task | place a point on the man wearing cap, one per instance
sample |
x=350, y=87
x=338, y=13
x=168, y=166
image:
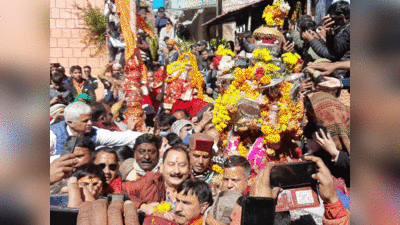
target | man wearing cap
x=183, y=128
x=56, y=113
x=201, y=152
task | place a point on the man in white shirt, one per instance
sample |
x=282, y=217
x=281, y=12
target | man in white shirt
x=78, y=122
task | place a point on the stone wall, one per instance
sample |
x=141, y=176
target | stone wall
x=66, y=33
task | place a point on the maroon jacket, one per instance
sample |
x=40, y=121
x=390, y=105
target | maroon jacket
x=147, y=189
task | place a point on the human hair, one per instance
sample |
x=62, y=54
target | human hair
x=84, y=142
x=338, y=8
x=179, y=149
x=166, y=119
x=123, y=152
x=308, y=25
x=200, y=188
x=74, y=110
x=107, y=149
x=187, y=114
x=148, y=138
x=173, y=139
x=303, y=18
x=309, y=129
x=90, y=69
x=121, y=111
x=90, y=170
x=232, y=48
x=98, y=110
x=204, y=50
x=73, y=68
x=57, y=78
x=236, y=161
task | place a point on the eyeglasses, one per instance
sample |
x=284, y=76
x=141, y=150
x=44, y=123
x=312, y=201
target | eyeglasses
x=112, y=167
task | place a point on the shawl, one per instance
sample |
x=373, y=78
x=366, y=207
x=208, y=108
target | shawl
x=115, y=187
x=334, y=115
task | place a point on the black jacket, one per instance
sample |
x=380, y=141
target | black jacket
x=86, y=88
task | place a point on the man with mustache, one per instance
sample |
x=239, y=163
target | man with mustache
x=146, y=158
x=201, y=152
x=149, y=190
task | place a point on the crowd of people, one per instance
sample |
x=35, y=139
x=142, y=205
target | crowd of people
x=177, y=169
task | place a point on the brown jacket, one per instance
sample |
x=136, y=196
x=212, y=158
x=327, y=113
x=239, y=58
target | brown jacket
x=147, y=189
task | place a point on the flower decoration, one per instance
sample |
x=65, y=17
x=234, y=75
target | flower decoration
x=217, y=169
x=275, y=14
x=162, y=207
x=293, y=62
x=226, y=63
x=224, y=51
x=262, y=54
x=216, y=60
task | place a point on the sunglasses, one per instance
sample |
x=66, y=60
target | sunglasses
x=112, y=167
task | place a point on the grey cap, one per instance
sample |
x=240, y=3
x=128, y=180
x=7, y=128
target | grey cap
x=202, y=42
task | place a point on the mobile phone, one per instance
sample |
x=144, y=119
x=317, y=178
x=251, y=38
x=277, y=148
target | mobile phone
x=293, y=175
x=69, y=145
x=115, y=197
x=63, y=215
x=321, y=127
x=258, y=211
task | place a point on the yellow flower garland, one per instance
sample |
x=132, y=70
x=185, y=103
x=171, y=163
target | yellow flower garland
x=217, y=169
x=223, y=51
x=162, y=207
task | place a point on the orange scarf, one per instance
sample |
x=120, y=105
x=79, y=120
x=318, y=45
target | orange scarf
x=78, y=86
x=198, y=221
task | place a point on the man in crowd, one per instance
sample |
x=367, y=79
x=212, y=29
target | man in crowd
x=169, y=53
x=161, y=20
x=200, y=46
x=249, y=42
x=107, y=159
x=117, y=71
x=61, y=167
x=165, y=124
x=202, y=61
x=146, y=158
x=78, y=122
x=153, y=188
x=78, y=85
x=58, y=90
x=102, y=116
x=200, y=154
x=193, y=199
x=183, y=128
x=87, y=70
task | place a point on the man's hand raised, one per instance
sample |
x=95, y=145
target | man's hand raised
x=60, y=168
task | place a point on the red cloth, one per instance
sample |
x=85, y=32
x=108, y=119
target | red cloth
x=336, y=214
x=150, y=219
x=147, y=100
x=149, y=188
x=113, y=127
x=115, y=187
x=192, y=107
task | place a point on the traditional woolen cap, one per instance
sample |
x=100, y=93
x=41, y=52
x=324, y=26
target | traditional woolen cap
x=56, y=108
x=178, y=125
x=201, y=142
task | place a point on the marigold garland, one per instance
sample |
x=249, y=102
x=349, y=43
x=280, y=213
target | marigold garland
x=162, y=207
x=275, y=14
x=217, y=169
